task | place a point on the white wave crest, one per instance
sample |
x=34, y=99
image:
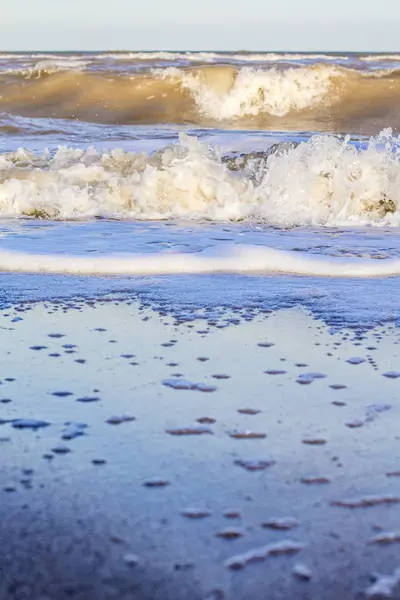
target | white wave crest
x=250, y=92
x=143, y=56
x=325, y=181
x=380, y=57
x=46, y=67
x=219, y=56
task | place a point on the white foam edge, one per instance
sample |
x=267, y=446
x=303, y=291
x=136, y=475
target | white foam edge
x=245, y=259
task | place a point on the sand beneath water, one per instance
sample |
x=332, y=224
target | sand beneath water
x=225, y=459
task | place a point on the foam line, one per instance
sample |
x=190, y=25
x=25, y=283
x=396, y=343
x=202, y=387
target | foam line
x=244, y=259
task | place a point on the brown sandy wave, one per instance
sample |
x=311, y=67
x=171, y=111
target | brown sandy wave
x=319, y=97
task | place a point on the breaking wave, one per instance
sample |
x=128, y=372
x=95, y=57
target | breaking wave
x=325, y=181
x=228, y=93
x=315, y=97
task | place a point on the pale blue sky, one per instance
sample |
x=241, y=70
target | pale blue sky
x=202, y=24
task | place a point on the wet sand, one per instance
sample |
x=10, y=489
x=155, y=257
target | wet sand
x=230, y=459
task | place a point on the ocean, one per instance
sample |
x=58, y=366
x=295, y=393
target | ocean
x=201, y=163
x=199, y=310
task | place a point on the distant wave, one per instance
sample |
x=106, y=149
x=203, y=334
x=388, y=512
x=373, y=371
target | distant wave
x=45, y=68
x=380, y=57
x=220, y=56
x=163, y=55
x=325, y=181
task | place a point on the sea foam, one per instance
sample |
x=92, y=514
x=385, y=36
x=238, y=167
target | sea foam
x=324, y=181
x=251, y=91
x=244, y=259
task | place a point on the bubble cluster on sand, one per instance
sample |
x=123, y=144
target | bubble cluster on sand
x=388, y=537
x=230, y=533
x=247, y=434
x=312, y=479
x=29, y=424
x=393, y=474
x=281, y=523
x=156, y=482
x=384, y=587
x=118, y=419
x=61, y=450
x=233, y=514
x=367, y=501
x=184, y=384
x=190, y=430
x=196, y=513
x=131, y=559
x=355, y=423
x=261, y=554
x=73, y=430
x=307, y=378
x=275, y=372
x=391, y=374
x=314, y=441
x=302, y=572
x=356, y=360
x=206, y=420
x=254, y=465
x=87, y=399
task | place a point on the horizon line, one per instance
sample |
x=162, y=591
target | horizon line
x=231, y=50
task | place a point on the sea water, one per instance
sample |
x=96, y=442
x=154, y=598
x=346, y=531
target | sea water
x=203, y=180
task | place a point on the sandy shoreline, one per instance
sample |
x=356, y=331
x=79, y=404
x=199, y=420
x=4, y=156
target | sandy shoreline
x=131, y=526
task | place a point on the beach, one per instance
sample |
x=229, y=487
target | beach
x=199, y=319
x=158, y=452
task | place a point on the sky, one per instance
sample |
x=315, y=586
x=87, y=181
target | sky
x=200, y=25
